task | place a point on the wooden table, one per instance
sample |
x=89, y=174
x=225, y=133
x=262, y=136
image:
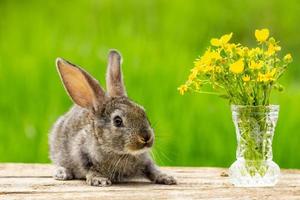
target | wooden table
x=34, y=181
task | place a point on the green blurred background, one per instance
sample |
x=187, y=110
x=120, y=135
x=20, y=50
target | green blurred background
x=159, y=41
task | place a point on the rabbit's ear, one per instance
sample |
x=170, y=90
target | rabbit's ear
x=84, y=90
x=114, y=78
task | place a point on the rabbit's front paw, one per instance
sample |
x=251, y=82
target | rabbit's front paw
x=62, y=173
x=165, y=179
x=98, y=181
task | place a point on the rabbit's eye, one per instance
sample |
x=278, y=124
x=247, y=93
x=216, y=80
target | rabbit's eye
x=118, y=122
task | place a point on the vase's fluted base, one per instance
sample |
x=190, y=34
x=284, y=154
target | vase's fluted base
x=254, y=174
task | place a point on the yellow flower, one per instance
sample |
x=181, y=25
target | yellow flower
x=182, y=89
x=240, y=51
x=195, y=70
x=218, y=69
x=194, y=74
x=197, y=85
x=255, y=51
x=246, y=78
x=272, y=49
x=230, y=47
x=222, y=41
x=260, y=77
x=205, y=59
x=202, y=67
x=237, y=67
x=262, y=35
x=215, y=55
x=254, y=65
x=288, y=58
x=204, y=64
x=269, y=76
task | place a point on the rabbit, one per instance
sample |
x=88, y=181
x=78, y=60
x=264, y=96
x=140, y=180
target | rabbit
x=105, y=137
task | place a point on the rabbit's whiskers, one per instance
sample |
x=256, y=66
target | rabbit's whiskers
x=114, y=164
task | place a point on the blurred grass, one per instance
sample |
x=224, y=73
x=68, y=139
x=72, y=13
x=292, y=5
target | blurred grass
x=159, y=41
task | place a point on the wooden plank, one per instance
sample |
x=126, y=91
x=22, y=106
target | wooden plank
x=34, y=181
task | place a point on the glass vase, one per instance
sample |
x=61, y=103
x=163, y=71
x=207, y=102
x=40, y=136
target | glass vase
x=255, y=126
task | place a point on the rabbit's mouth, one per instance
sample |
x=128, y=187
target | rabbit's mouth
x=138, y=152
x=139, y=146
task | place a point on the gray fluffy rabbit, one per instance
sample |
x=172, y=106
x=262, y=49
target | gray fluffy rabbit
x=105, y=137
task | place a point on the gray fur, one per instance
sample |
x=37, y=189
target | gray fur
x=86, y=144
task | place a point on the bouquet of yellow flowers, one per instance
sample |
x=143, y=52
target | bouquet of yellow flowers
x=243, y=75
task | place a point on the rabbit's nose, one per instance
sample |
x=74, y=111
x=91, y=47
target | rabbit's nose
x=148, y=140
x=147, y=137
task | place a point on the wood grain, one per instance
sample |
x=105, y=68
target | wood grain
x=34, y=181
